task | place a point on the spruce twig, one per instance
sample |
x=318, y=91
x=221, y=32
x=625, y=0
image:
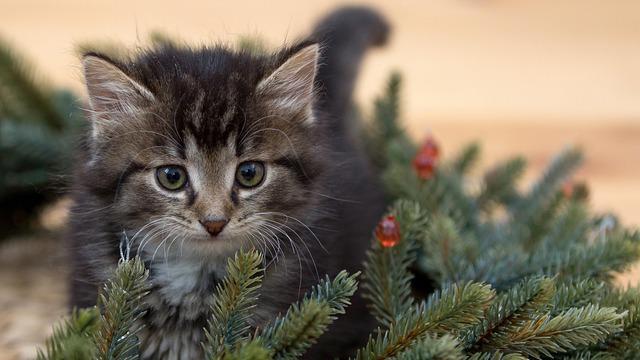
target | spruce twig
x=499, y=183
x=545, y=335
x=451, y=310
x=289, y=336
x=29, y=99
x=235, y=297
x=121, y=303
x=521, y=303
x=73, y=340
x=387, y=282
x=466, y=159
x=434, y=348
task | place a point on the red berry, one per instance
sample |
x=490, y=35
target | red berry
x=426, y=159
x=431, y=148
x=388, y=231
x=424, y=164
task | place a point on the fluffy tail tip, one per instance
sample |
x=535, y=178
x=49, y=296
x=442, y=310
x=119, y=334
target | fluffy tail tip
x=361, y=22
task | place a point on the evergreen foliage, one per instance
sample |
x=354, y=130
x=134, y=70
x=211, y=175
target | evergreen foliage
x=388, y=281
x=289, y=336
x=73, y=338
x=37, y=125
x=233, y=301
x=466, y=159
x=115, y=336
x=515, y=274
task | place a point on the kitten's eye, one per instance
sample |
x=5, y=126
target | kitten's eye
x=250, y=173
x=171, y=177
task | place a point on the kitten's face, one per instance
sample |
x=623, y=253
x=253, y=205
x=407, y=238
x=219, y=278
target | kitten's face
x=203, y=162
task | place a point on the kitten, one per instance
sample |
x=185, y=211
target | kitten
x=194, y=153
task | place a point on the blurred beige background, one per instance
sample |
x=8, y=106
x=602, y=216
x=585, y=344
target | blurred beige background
x=526, y=76
x=522, y=76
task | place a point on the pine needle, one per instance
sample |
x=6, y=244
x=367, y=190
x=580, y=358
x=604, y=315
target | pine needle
x=450, y=311
x=290, y=336
x=387, y=283
x=235, y=297
x=72, y=340
x=545, y=335
x=121, y=303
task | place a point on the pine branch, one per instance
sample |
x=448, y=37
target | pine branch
x=496, y=356
x=251, y=350
x=336, y=293
x=289, y=336
x=452, y=310
x=458, y=306
x=387, y=108
x=444, y=193
x=593, y=355
x=625, y=344
x=73, y=339
x=456, y=203
x=609, y=254
x=401, y=182
x=545, y=188
x=121, y=302
x=302, y=325
x=29, y=99
x=499, y=184
x=577, y=293
x=466, y=159
x=387, y=142
x=531, y=232
x=235, y=297
x=497, y=263
x=446, y=256
x=570, y=226
x=573, y=329
x=387, y=283
x=434, y=348
x=520, y=303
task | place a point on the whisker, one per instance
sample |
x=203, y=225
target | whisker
x=296, y=251
x=315, y=268
x=299, y=222
x=169, y=233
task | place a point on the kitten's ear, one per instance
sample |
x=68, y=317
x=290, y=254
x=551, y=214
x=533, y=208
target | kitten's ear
x=290, y=87
x=113, y=95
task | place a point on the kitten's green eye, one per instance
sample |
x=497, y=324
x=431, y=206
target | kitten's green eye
x=250, y=173
x=171, y=177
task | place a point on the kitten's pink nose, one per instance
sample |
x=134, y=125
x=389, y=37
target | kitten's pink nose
x=214, y=225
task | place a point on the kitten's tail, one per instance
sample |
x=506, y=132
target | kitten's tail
x=344, y=36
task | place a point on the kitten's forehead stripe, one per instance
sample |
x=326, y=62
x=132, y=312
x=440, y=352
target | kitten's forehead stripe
x=196, y=114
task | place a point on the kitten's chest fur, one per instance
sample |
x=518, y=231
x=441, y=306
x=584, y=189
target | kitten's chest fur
x=179, y=306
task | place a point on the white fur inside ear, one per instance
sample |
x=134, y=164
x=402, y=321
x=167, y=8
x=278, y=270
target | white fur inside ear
x=290, y=88
x=112, y=93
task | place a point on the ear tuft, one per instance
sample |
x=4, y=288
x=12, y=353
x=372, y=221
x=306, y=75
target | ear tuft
x=112, y=93
x=290, y=87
